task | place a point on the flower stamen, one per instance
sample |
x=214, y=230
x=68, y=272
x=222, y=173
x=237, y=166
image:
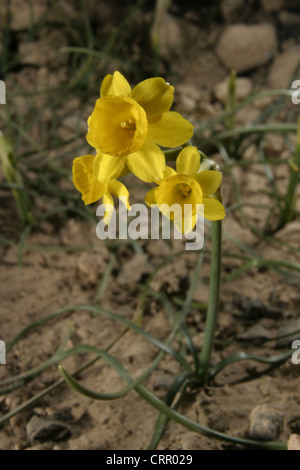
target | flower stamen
x=128, y=125
x=185, y=189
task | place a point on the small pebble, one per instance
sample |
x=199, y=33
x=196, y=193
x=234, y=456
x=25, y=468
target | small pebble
x=266, y=423
x=41, y=429
x=294, y=442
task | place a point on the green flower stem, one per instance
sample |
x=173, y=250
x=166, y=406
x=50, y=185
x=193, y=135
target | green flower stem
x=213, y=302
x=231, y=100
x=160, y=10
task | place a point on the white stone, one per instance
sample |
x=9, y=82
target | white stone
x=283, y=67
x=230, y=8
x=38, y=54
x=294, y=442
x=169, y=35
x=289, y=18
x=24, y=14
x=266, y=423
x=242, y=47
x=188, y=97
x=243, y=89
x=272, y=5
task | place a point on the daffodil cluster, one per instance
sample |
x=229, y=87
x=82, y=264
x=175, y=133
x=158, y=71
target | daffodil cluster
x=127, y=129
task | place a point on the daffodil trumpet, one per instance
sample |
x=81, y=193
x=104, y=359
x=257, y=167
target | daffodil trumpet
x=188, y=186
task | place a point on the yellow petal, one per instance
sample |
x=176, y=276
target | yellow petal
x=148, y=163
x=150, y=199
x=213, y=209
x=209, y=181
x=154, y=95
x=108, y=203
x=106, y=167
x=188, y=161
x=115, y=84
x=119, y=190
x=168, y=172
x=92, y=190
x=117, y=126
x=169, y=129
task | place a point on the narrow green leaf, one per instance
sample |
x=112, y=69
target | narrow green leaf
x=242, y=356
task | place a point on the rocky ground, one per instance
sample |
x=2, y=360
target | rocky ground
x=63, y=262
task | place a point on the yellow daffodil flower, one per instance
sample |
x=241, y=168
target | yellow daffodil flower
x=127, y=126
x=92, y=190
x=187, y=186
